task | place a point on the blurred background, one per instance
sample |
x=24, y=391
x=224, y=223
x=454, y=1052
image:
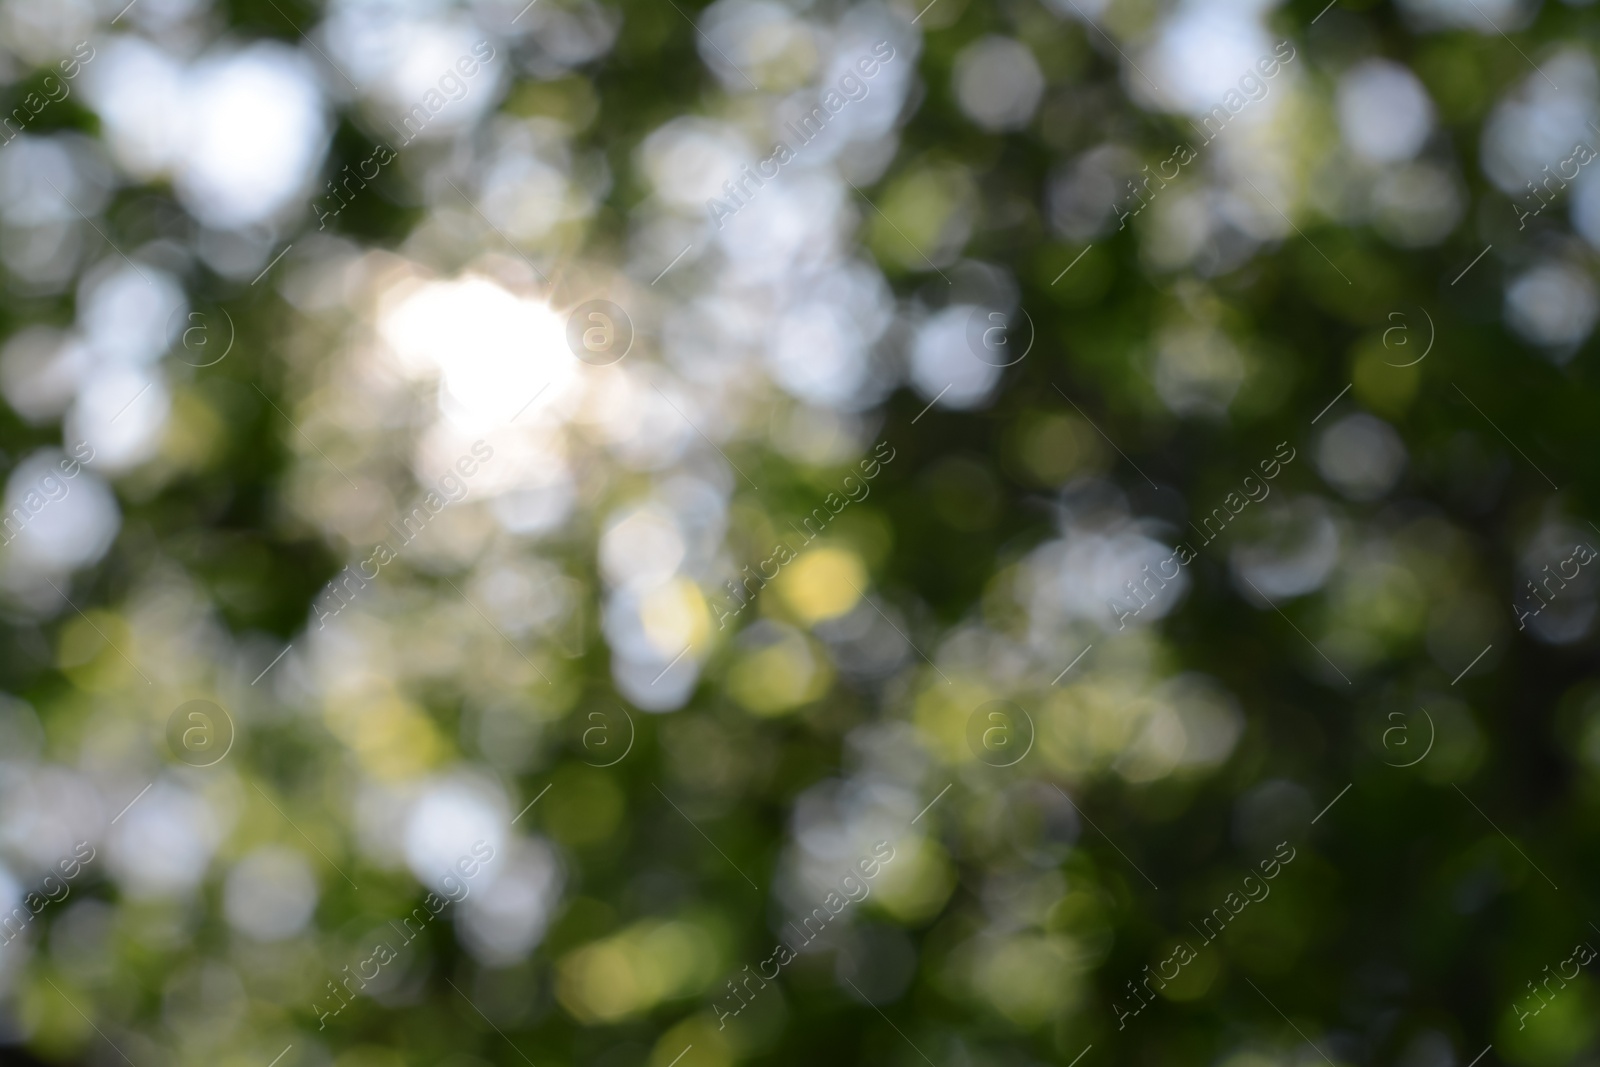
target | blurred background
x=620, y=532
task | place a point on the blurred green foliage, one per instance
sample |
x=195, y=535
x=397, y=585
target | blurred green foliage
x=1408, y=913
